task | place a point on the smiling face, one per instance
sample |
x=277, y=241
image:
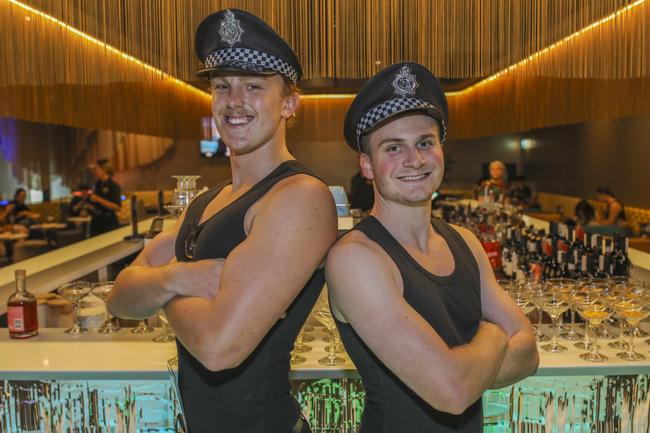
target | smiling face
x=250, y=110
x=406, y=160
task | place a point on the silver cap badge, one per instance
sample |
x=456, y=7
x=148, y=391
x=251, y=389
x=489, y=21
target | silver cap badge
x=404, y=82
x=230, y=30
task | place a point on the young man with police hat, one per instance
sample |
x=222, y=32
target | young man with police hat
x=415, y=299
x=239, y=272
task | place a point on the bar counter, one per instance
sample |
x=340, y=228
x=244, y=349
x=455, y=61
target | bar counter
x=55, y=356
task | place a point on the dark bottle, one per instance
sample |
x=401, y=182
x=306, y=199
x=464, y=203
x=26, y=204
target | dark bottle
x=22, y=318
x=621, y=262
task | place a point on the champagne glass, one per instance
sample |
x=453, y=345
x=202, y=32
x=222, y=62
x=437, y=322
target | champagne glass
x=167, y=332
x=596, y=314
x=101, y=290
x=536, y=294
x=602, y=288
x=633, y=314
x=566, y=289
x=299, y=346
x=555, y=307
x=324, y=315
x=142, y=328
x=620, y=304
x=297, y=358
x=584, y=302
x=75, y=292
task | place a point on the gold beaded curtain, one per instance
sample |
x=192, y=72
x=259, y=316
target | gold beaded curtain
x=346, y=38
x=50, y=74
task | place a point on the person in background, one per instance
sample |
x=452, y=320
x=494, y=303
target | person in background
x=614, y=210
x=362, y=195
x=80, y=205
x=17, y=212
x=415, y=299
x=520, y=193
x=497, y=185
x=106, y=198
x=583, y=212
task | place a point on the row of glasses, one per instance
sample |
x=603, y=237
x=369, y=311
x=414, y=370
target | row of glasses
x=323, y=314
x=596, y=301
x=76, y=291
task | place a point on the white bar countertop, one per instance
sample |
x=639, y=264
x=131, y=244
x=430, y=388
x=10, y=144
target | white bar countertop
x=125, y=356
x=47, y=271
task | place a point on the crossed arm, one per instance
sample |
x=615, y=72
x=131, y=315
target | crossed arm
x=363, y=287
x=288, y=239
x=521, y=358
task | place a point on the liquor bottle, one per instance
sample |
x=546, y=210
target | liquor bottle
x=620, y=259
x=21, y=310
x=507, y=254
x=600, y=271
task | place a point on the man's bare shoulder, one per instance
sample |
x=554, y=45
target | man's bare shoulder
x=299, y=191
x=356, y=251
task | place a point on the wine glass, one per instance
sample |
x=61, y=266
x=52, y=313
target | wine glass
x=167, y=332
x=596, y=314
x=75, y=292
x=583, y=302
x=142, y=328
x=324, y=315
x=555, y=307
x=537, y=295
x=602, y=288
x=101, y=290
x=296, y=358
x=633, y=314
x=299, y=346
x=566, y=288
x=621, y=303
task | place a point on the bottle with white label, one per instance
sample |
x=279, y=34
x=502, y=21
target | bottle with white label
x=22, y=318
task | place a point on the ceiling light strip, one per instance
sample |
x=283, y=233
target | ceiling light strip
x=548, y=49
x=110, y=48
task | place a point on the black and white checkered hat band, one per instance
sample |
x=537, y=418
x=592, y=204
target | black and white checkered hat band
x=389, y=108
x=253, y=60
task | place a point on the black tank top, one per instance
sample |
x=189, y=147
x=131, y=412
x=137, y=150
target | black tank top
x=451, y=304
x=255, y=396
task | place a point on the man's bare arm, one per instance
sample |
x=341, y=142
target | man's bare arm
x=363, y=288
x=290, y=236
x=154, y=278
x=521, y=359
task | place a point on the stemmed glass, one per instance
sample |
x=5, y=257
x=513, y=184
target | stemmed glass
x=142, y=328
x=101, y=290
x=324, y=315
x=619, y=305
x=596, y=313
x=299, y=346
x=75, y=292
x=566, y=289
x=555, y=307
x=633, y=314
x=602, y=288
x=167, y=332
x=537, y=295
x=584, y=302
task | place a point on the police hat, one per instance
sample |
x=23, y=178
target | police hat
x=238, y=41
x=398, y=89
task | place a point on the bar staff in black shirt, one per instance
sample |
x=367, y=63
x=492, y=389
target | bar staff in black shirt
x=416, y=302
x=106, y=198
